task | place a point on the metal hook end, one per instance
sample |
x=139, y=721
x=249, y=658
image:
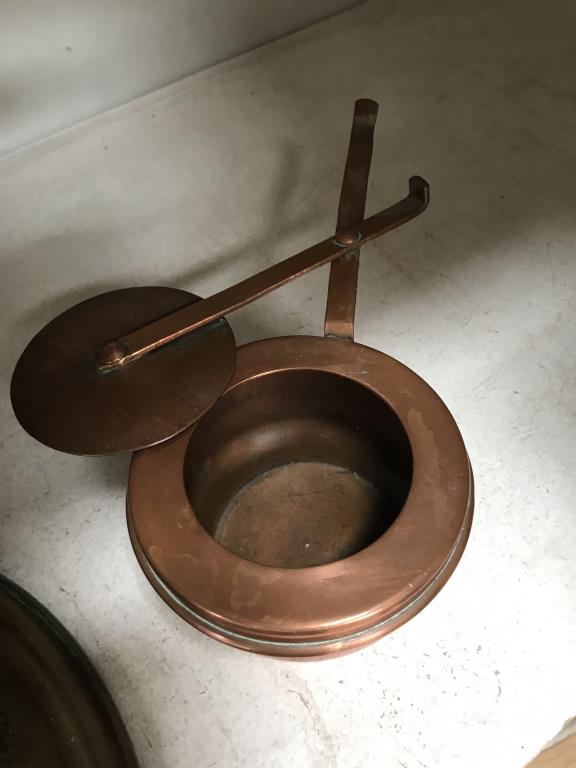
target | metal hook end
x=419, y=188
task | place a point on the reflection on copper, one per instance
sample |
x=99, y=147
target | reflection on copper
x=298, y=497
x=323, y=500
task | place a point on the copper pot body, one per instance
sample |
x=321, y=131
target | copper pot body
x=326, y=496
x=323, y=501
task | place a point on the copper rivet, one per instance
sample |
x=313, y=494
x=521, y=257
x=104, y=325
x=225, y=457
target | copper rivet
x=347, y=237
x=112, y=353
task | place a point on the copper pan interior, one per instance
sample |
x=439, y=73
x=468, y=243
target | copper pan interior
x=298, y=468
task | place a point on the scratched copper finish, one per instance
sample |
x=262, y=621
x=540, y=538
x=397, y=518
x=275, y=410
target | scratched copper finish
x=323, y=500
x=61, y=398
x=309, y=401
x=54, y=709
x=315, y=497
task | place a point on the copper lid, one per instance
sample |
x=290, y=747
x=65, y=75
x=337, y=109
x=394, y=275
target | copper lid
x=62, y=399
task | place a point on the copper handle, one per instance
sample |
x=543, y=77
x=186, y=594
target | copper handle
x=343, y=282
x=162, y=331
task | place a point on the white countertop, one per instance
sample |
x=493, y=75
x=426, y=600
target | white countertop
x=219, y=175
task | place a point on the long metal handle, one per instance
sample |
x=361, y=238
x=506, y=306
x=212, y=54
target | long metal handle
x=343, y=282
x=166, y=329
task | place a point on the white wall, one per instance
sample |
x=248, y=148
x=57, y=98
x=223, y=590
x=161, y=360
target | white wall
x=62, y=61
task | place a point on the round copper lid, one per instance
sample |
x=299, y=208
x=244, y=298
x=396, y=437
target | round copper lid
x=54, y=709
x=225, y=540
x=62, y=399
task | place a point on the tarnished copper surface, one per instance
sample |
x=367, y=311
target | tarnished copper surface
x=324, y=499
x=341, y=300
x=328, y=512
x=54, y=709
x=382, y=423
x=61, y=399
x=173, y=326
x=324, y=495
x=88, y=382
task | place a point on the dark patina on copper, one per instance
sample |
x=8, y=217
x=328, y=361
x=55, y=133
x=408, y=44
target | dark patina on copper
x=323, y=500
x=78, y=392
x=61, y=397
x=317, y=493
x=182, y=322
x=54, y=710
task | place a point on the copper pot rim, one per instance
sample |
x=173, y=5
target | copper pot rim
x=315, y=649
x=320, y=602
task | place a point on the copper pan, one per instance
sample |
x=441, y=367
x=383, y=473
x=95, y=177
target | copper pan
x=54, y=709
x=323, y=500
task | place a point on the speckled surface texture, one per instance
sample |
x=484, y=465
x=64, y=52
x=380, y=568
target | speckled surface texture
x=207, y=181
